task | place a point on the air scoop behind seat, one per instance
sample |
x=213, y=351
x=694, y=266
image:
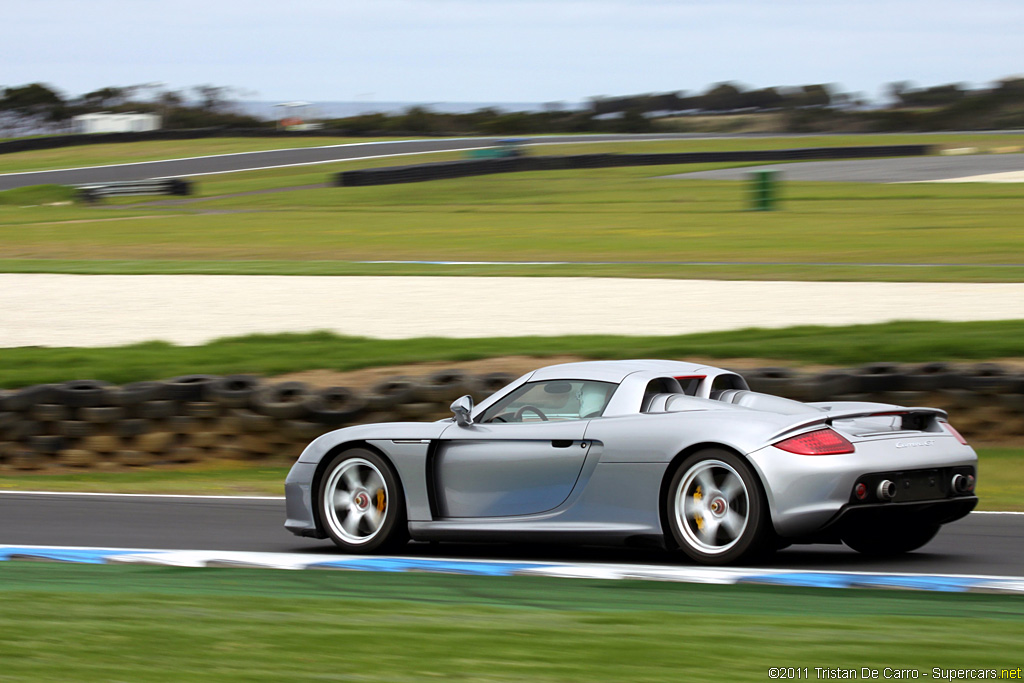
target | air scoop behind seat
x=765, y=402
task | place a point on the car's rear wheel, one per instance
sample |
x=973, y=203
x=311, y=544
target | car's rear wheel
x=716, y=510
x=360, y=502
x=891, y=540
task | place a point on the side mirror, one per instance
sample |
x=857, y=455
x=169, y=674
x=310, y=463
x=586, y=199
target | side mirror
x=463, y=409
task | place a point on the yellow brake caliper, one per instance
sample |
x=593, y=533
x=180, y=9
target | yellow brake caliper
x=697, y=495
x=380, y=500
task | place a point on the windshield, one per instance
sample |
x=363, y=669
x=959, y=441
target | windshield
x=552, y=400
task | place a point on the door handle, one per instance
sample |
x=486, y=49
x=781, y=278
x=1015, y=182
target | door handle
x=561, y=443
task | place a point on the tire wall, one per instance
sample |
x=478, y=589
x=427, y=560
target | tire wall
x=474, y=167
x=86, y=424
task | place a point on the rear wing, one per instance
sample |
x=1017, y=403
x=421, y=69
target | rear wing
x=913, y=419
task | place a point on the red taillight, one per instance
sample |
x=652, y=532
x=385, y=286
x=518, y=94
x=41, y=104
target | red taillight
x=959, y=437
x=819, y=442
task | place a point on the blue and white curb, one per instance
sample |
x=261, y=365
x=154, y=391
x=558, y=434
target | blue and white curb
x=950, y=583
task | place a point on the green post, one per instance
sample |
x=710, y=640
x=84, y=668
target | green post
x=763, y=190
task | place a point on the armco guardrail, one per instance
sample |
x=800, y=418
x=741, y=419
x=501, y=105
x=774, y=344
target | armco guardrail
x=173, y=186
x=473, y=167
x=84, y=424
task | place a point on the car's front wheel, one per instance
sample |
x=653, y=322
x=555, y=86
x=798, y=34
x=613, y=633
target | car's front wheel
x=360, y=502
x=716, y=510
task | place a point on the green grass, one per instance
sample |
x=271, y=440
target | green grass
x=38, y=195
x=1000, y=481
x=802, y=272
x=145, y=623
x=273, y=354
x=639, y=223
x=214, y=478
x=1001, y=478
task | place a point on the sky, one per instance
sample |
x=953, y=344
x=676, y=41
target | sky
x=506, y=50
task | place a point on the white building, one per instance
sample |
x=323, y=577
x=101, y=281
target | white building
x=115, y=123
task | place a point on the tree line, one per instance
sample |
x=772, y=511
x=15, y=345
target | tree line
x=37, y=108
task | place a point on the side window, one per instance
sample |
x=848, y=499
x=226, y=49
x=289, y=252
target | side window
x=552, y=401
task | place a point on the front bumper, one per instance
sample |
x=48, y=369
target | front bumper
x=299, y=501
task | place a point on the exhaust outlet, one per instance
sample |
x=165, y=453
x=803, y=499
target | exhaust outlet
x=886, y=490
x=963, y=484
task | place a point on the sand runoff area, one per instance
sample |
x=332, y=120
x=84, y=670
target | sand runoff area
x=109, y=310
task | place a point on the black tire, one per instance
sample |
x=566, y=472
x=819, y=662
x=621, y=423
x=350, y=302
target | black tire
x=101, y=414
x=284, y=401
x=83, y=393
x=336, y=406
x=188, y=387
x=156, y=410
x=889, y=540
x=370, y=485
x=23, y=399
x=736, y=505
x=139, y=392
x=390, y=393
x=234, y=391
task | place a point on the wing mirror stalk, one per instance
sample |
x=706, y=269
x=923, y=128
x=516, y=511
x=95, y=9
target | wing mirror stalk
x=463, y=409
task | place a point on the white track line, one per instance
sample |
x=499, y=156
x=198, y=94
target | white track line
x=260, y=151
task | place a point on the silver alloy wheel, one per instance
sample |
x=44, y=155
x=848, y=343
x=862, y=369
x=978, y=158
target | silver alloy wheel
x=356, y=499
x=712, y=506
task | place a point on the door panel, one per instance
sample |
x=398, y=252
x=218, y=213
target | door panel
x=503, y=470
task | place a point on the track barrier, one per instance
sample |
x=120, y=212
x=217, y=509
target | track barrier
x=85, y=424
x=475, y=167
x=173, y=186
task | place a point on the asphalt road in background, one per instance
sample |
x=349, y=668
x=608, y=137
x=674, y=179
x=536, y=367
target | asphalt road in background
x=897, y=170
x=981, y=544
x=247, y=161
x=866, y=170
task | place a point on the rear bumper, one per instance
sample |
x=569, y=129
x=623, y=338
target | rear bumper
x=916, y=514
x=808, y=493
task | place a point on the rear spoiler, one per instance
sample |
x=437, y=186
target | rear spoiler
x=914, y=419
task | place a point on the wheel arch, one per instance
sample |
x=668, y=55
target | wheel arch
x=678, y=460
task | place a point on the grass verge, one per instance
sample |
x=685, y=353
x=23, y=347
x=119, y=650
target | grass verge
x=35, y=195
x=274, y=354
x=823, y=272
x=1000, y=480
x=145, y=623
x=624, y=221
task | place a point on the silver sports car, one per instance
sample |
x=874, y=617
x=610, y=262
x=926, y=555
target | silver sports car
x=639, y=452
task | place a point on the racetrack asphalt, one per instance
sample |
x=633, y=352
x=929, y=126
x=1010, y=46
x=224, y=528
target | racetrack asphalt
x=247, y=161
x=896, y=170
x=872, y=170
x=981, y=544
